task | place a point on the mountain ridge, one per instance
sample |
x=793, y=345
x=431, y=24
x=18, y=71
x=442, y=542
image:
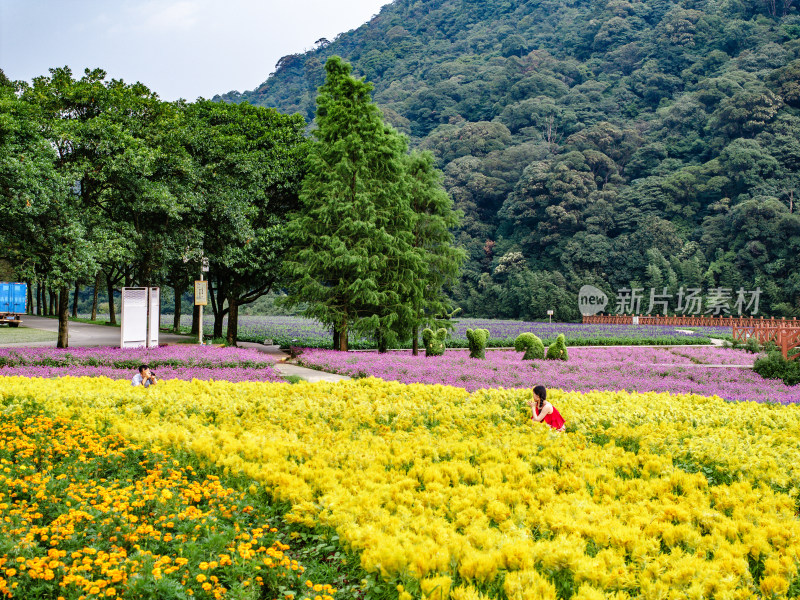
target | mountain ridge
x=649, y=144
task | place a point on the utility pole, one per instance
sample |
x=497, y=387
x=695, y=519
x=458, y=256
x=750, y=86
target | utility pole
x=200, y=320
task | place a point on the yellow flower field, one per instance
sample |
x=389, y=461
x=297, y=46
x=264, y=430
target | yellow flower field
x=72, y=524
x=452, y=494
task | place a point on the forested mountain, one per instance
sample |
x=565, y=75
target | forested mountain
x=639, y=144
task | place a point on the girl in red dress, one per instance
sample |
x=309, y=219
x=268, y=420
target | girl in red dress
x=543, y=411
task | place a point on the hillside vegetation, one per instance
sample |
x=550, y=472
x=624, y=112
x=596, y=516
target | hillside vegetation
x=650, y=144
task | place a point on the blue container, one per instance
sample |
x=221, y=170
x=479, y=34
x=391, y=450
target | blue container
x=13, y=298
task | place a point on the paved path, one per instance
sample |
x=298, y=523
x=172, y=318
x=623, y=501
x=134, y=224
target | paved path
x=311, y=375
x=291, y=370
x=86, y=334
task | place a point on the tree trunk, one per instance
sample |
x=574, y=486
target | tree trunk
x=217, y=303
x=29, y=299
x=415, y=342
x=176, y=320
x=218, y=324
x=52, y=308
x=112, y=313
x=195, y=320
x=63, y=318
x=335, y=337
x=233, y=321
x=380, y=338
x=39, y=299
x=343, y=335
x=94, y=296
x=75, y=300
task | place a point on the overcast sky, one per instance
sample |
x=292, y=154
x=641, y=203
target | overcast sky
x=178, y=48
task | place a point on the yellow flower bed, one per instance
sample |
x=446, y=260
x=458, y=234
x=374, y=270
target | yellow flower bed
x=456, y=495
x=73, y=527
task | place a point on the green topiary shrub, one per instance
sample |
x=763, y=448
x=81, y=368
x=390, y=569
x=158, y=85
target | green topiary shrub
x=477, y=339
x=752, y=345
x=774, y=366
x=531, y=345
x=558, y=349
x=434, y=341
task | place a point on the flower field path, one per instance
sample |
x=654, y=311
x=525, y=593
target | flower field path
x=292, y=370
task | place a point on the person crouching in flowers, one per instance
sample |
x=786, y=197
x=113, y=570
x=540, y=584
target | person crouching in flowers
x=543, y=411
x=144, y=377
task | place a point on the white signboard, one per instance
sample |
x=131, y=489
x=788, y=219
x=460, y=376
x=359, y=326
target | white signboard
x=141, y=315
x=201, y=293
x=155, y=316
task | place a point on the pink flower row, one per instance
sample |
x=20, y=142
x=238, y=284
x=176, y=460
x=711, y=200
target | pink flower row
x=182, y=354
x=234, y=374
x=706, y=371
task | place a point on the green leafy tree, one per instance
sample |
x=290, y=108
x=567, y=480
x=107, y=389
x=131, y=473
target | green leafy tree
x=248, y=164
x=353, y=258
x=434, y=218
x=59, y=222
x=30, y=184
x=115, y=142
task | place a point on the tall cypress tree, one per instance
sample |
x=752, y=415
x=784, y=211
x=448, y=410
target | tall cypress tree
x=353, y=259
x=434, y=220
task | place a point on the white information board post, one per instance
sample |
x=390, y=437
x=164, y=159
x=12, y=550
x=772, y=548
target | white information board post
x=141, y=317
x=200, y=300
x=201, y=297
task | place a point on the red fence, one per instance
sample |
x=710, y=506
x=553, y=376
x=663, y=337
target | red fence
x=785, y=333
x=698, y=321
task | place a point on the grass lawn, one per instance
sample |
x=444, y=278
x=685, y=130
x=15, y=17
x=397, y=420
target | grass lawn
x=25, y=335
x=99, y=321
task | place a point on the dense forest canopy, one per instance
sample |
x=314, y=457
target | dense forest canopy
x=621, y=144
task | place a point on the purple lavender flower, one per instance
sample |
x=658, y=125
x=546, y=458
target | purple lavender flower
x=311, y=333
x=178, y=355
x=169, y=362
x=642, y=369
x=234, y=374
